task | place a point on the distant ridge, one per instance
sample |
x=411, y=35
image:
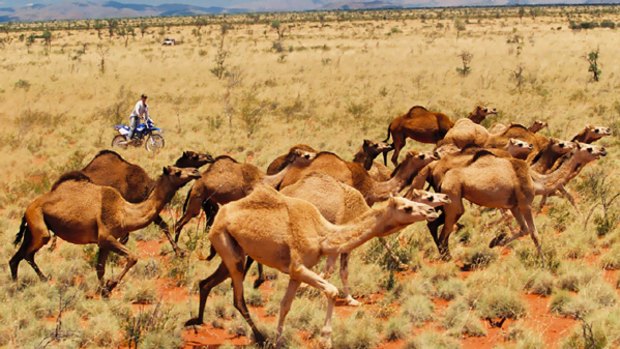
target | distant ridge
x=92, y=9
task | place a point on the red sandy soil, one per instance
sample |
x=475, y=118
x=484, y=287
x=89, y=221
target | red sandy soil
x=551, y=327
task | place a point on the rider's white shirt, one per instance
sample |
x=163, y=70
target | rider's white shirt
x=140, y=110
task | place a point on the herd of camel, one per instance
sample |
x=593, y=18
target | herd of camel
x=310, y=203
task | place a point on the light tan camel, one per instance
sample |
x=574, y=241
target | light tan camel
x=227, y=180
x=132, y=182
x=425, y=126
x=353, y=174
x=279, y=163
x=291, y=235
x=536, y=126
x=544, y=161
x=465, y=132
x=340, y=203
x=81, y=212
x=591, y=133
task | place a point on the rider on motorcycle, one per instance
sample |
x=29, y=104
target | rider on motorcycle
x=140, y=111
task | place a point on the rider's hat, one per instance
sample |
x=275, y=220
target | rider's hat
x=144, y=96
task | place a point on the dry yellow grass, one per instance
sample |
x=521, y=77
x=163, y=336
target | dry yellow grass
x=332, y=86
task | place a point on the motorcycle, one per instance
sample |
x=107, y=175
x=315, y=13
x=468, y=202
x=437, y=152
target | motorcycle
x=145, y=133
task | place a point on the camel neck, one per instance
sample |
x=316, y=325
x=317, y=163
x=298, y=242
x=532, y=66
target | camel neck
x=275, y=179
x=138, y=216
x=345, y=238
x=400, y=177
x=548, y=183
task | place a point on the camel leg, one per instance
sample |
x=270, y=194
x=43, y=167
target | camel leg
x=453, y=212
x=191, y=209
x=102, y=257
x=568, y=197
x=344, y=277
x=527, y=214
x=110, y=243
x=260, y=279
x=433, y=227
x=543, y=202
x=303, y=274
x=164, y=227
x=399, y=143
x=206, y=285
x=523, y=229
x=36, y=236
x=30, y=259
x=210, y=208
x=285, y=306
x=329, y=266
x=53, y=242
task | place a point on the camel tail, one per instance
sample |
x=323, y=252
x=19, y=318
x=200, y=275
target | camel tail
x=23, y=229
x=186, y=202
x=388, y=134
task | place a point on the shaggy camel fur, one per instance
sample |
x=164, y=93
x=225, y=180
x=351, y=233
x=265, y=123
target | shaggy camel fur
x=339, y=204
x=81, y=212
x=425, y=126
x=227, y=180
x=353, y=174
x=279, y=163
x=132, y=181
x=291, y=235
x=591, y=133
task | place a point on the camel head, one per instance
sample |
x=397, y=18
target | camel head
x=300, y=157
x=429, y=198
x=537, y=125
x=588, y=152
x=401, y=212
x=597, y=132
x=180, y=176
x=517, y=147
x=373, y=149
x=562, y=147
x=193, y=159
x=480, y=113
x=412, y=164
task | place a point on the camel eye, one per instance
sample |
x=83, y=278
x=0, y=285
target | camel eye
x=430, y=198
x=422, y=156
x=589, y=150
x=408, y=209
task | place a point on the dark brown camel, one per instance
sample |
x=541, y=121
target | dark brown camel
x=279, y=163
x=425, y=126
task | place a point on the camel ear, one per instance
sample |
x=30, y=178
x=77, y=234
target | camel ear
x=589, y=126
x=513, y=141
x=166, y=170
x=185, y=154
x=415, y=192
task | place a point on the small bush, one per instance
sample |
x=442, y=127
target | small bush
x=418, y=309
x=358, y=331
x=478, y=258
x=461, y=319
x=501, y=303
x=540, y=283
x=611, y=259
x=449, y=289
x=22, y=84
x=397, y=328
x=141, y=293
x=432, y=339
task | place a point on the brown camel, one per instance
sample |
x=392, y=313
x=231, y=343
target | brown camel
x=591, y=133
x=81, y=212
x=291, y=235
x=340, y=203
x=132, y=181
x=544, y=161
x=353, y=174
x=227, y=180
x=425, y=126
x=279, y=163
x=518, y=131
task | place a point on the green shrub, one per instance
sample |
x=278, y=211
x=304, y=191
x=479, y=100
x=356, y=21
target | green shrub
x=397, y=328
x=478, y=257
x=501, y=303
x=418, y=309
x=540, y=283
x=460, y=319
x=449, y=289
x=358, y=331
x=432, y=339
x=611, y=259
x=143, y=292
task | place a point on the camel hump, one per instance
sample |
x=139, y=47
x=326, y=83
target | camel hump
x=71, y=176
x=481, y=153
x=414, y=108
x=225, y=157
x=108, y=152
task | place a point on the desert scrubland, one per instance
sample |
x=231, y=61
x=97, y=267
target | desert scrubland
x=251, y=87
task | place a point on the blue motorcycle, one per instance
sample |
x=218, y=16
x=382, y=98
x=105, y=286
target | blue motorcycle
x=145, y=133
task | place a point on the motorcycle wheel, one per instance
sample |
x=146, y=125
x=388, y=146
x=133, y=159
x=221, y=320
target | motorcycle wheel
x=154, y=143
x=119, y=142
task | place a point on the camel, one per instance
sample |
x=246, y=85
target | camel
x=132, y=182
x=279, y=163
x=353, y=174
x=227, y=180
x=487, y=180
x=291, y=235
x=536, y=126
x=466, y=132
x=591, y=133
x=544, y=161
x=425, y=126
x=521, y=132
x=340, y=203
x=366, y=155
x=81, y=212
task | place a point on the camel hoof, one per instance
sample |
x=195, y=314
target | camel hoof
x=498, y=240
x=326, y=340
x=352, y=302
x=260, y=339
x=193, y=322
x=179, y=253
